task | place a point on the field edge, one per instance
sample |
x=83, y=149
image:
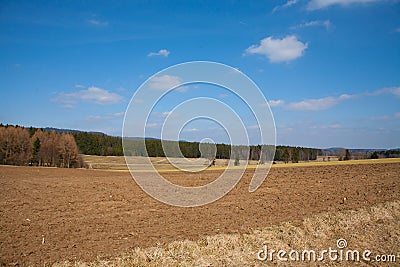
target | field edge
x=376, y=228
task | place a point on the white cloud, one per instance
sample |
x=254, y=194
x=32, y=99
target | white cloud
x=329, y=126
x=152, y=125
x=161, y=114
x=317, y=104
x=166, y=113
x=166, y=82
x=335, y=126
x=68, y=105
x=98, y=22
x=276, y=103
x=313, y=104
x=286, y=5
x=330, y=101
x=279, y=50
x=253, y=127
x=395, y=116
x=394, y=90
x=191, y=130
x=380, y=118
x=106, y=117
x=325, y=23
x=94, y=94
x=138, y=101
x=97, y=95
x=320, y=4
x=162, y=52
x=388, y=90
x=234, y=71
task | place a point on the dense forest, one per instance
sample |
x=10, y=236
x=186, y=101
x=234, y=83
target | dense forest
x=223, y=151
x=105, y=145
x=98, y=144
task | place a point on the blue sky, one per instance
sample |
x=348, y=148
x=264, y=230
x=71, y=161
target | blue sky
x=330, y=69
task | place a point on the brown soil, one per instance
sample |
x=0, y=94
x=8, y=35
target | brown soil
x=50, y=215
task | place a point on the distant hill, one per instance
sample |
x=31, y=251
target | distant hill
x=357, y=149
x=141, y=138
x=57, y=130
x=362, y=153
x=334, y=148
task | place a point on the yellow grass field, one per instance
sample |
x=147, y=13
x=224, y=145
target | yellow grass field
x=117, y=163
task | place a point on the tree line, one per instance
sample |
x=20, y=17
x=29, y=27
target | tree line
x=58, y=147
x=154, y=148
x=23, y=146
x=98, y=144
x=296, y=154
x=391, y=153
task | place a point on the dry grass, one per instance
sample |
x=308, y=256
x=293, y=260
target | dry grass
x=105, y=162
x=348, y=162
x=376, y=228
x=117, y=163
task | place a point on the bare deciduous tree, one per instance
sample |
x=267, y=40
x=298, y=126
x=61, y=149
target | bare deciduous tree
x=15, y=145
x=42, y=149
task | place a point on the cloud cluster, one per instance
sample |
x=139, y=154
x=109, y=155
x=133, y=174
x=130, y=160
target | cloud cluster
x=320, y=4
x=386, y=117
x=279, y=50
x=106, y=117
x=92, y=94
x=166, y=82
x=276, y=103
x=313, y=104
x=316, y=104
x=162, y=53
x=289, y=3
x=325, y=23
x=190, y=130
x=388, y=90
x=161, y=114
x=98, y=22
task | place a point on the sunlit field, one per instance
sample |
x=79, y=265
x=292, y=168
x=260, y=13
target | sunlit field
x=163, y=165
x=83, y=217
x=363, y=228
